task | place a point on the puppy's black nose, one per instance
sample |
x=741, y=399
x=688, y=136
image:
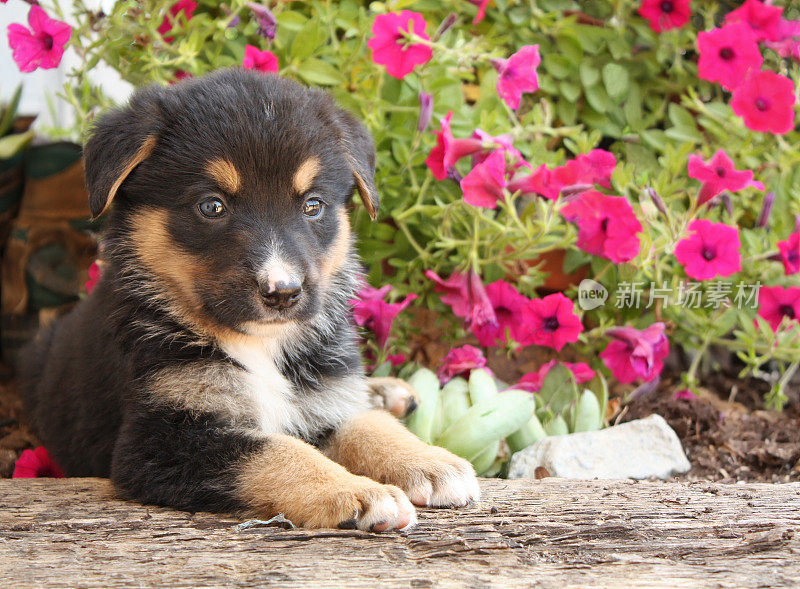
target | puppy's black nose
x=282, y=296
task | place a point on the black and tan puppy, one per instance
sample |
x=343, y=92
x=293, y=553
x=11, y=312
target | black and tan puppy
x=215, y=365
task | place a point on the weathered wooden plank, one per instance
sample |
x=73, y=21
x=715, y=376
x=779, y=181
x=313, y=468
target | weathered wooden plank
x=548, y=533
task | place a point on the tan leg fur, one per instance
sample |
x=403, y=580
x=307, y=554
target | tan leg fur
x=295, y=479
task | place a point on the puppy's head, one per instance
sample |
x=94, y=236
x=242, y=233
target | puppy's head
x=229, y=193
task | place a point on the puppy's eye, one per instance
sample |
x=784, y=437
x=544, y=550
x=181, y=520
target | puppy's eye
x=212, y=208
x=313, y=207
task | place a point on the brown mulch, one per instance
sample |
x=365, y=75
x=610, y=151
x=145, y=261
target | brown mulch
x=14, y=434
x=727, y=441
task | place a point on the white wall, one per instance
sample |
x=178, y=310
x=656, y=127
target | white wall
x=42, y=85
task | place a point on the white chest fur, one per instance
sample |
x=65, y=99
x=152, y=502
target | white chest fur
x=279, y=407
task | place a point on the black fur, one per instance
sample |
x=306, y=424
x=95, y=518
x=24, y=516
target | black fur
x=92, y=380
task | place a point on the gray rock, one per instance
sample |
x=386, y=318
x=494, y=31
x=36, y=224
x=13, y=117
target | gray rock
x=639, y=449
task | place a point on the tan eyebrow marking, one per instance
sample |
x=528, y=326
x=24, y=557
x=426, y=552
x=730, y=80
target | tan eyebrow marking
x=305, y=174
x=225, y=174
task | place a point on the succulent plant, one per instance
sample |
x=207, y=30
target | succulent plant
x=475, y=420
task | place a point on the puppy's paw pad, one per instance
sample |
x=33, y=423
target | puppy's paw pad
x=349, y=524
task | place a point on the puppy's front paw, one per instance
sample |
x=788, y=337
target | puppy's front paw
x=393, y=394
x=434, y=477
x=365, y=505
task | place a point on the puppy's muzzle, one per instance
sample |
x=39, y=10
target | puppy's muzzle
x=281, y=295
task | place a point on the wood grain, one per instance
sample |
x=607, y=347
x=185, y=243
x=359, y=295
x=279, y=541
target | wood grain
x=546, y=533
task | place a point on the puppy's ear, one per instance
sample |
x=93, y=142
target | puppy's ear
x=120, y=141
x=360, y=151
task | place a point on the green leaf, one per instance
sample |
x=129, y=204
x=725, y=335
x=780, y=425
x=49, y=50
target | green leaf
x=558, y=66
x=641, y=158
x=10, y=111
x=680, y=117
x=557, y=427
x=598, y=99
x=384, y=369
x=570, y=90
x=316, y=71
x=558, y=389
x=311, y=36
x=570, y=47
x=589, y=74
x=291, y=20
x=11, y=145
x=616, y=81
x=567, y=112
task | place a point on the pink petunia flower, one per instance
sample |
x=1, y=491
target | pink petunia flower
x=532, y=381
x=467, y=296
x=180, y=75
x=38, y=463
x=396, y=359
x=460, y=362
x=607, y=225
x=389, y=46
x=95, y=272
x=664, y=15
x=481, y=4
x=577, y=175
x=484, y=185
x=633, y=354
x=711, y=250
x=187, y=7
x=777, y=302
x=718, y=175
x=788, y=43
x=509, y=306
x=684, y=395
x=595, y=167
x=262, y=61
x=551, y=321
x=448, y=150
x=764, y=20
x=517, y=74
x=370, y=293
x=790, y=253
x=492, y=143
x=728, y=54
x=372, y=312
x=765, y=101
x=40, y=47
x=539, y=181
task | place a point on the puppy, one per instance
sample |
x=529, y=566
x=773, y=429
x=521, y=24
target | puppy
x=215, y=365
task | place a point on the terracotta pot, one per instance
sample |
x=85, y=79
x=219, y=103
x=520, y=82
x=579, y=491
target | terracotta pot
x=552, y=263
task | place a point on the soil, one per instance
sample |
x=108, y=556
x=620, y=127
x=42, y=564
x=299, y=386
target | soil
x=727, y=434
